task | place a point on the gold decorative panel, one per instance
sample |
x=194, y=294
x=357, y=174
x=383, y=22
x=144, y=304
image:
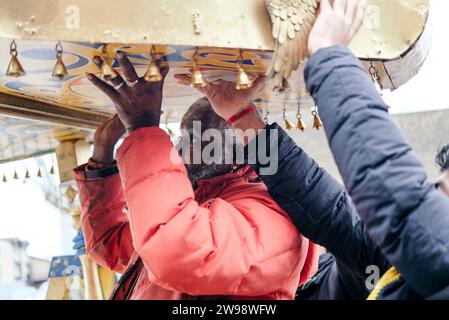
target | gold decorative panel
x=394, y=36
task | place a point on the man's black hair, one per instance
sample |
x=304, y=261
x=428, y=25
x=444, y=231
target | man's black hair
x=442, y=158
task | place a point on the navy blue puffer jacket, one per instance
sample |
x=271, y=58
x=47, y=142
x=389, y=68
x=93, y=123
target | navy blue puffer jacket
x=406, y=217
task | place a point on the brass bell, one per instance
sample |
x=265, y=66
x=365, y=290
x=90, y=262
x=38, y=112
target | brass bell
x=317, y=123
x=243, y=81
x=288, y=125
x=4, y=178
x=300, y=125
x=59, y=71
x=107, y=71
x=39, y=173
x=52, y=170
x=153, y=73
x=27, y=174
x=15, y=69
x=198, y=80
x=16, y=176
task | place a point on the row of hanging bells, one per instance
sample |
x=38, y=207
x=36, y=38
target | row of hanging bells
x=300, y=123
x=198, y=80
x=153, y=73
x=27, y=174
x=15, y=68
x=108, y=73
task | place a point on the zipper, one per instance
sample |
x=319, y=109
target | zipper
x=389, y=278
x=124, y=277
x=136, y=280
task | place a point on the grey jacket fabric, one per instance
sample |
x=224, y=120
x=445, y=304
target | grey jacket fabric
x=405, y=215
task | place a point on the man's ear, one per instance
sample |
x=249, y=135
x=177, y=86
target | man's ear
x=446, y=182
x=443, y=183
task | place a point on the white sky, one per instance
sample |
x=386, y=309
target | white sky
x=25, y=214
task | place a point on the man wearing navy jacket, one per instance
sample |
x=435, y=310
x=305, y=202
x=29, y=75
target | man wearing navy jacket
x=388, y=216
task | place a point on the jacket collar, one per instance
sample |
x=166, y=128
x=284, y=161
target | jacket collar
x=223, y=179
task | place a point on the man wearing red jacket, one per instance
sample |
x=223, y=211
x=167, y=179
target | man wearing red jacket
x=217, y=234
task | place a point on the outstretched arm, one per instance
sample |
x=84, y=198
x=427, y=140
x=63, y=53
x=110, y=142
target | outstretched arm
x=104, y=221
x=103, y=218
x=404, y=213
x=317, y=203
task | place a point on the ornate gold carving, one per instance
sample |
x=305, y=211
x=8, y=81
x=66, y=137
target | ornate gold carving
x=292, y=21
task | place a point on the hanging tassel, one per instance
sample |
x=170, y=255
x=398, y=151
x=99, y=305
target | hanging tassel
x=317, y=123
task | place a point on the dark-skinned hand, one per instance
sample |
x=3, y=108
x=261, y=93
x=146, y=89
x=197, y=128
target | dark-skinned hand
x=137, y=101
x=106, y=137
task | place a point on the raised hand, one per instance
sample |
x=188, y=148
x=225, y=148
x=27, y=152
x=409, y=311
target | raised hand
x=336, y=24
x=106, y=137
x=137, y=101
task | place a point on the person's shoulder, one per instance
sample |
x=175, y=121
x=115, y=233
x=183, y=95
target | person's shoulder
x=251, y=193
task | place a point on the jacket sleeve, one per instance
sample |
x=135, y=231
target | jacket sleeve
x=318, y=205
x=239, y=247
x=333, y=281
x=404, y=213
x=103, y=220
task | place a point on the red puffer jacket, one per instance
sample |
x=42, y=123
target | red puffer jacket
x=228, y=238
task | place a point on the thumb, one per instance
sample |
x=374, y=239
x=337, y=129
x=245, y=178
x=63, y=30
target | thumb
x=117, y=124
x=259, y=84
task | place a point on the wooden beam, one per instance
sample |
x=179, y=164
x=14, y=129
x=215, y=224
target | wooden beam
x=36, y=110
